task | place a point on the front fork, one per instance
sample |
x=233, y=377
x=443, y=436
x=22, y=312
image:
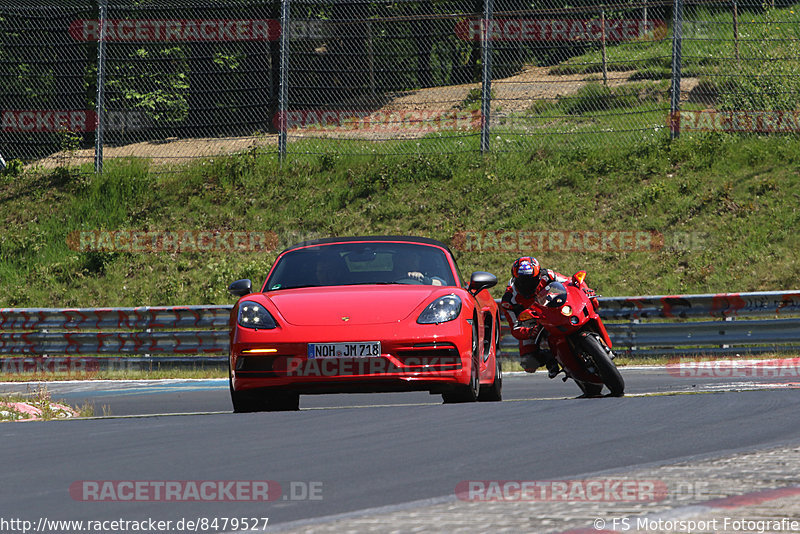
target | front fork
x=576, y=340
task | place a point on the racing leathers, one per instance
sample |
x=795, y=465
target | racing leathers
x=513, y=303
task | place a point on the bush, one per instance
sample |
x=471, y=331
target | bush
x=590, y=97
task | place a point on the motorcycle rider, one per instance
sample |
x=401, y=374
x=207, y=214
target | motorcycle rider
x=527, y=279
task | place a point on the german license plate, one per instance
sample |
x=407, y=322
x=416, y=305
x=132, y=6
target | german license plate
x=356, y=349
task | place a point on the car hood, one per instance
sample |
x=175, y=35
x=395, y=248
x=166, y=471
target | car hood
x=352, y=305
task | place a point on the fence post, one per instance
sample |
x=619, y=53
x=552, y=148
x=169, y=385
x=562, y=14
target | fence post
x=283, y=88
x=486, y=76
x=371, y=59
x=644, y=17
x=675, y=90
x=101, y=89
x=736, y=29
x=603, y=44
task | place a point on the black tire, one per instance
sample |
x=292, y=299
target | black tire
x=260, y=401
x=605, y=367
x=470, y=391
x=282, y=401
x=494, y=393
x=589, y=389
x=243, y=401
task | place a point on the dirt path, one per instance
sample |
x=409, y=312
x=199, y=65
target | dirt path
x=514, y=94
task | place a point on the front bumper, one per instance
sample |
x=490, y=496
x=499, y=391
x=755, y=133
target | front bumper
x=413, y=357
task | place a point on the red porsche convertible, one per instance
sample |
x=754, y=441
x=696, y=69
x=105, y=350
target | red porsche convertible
x=364, y=314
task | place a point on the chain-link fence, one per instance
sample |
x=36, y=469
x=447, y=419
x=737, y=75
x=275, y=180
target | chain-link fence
x=87, y=80
x=740, y=69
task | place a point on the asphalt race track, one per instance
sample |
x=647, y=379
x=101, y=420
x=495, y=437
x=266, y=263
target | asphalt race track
x=346, y=453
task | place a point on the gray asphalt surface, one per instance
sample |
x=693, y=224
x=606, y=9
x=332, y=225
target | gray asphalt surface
x=122, y=398
x=364, y=451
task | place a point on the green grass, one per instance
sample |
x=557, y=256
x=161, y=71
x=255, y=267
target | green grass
x=757, y=71
x=738, y=194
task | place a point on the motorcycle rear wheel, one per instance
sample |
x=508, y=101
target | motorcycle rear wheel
x=605, y=367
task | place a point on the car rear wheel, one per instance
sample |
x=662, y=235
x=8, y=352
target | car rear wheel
x=470, y=391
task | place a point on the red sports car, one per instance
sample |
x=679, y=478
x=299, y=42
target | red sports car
x=364, y=314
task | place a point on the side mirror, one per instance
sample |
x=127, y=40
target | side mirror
x=240, y=288
x=480, y=280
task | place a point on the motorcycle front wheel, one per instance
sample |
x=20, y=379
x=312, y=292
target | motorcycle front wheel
x=605, y=367
x=589, y=389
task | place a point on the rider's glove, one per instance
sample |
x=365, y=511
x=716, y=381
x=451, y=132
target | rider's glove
x=523, y=331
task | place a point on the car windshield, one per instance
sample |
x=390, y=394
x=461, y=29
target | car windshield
x=340, y=264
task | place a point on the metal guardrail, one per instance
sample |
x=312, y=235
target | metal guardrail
x=114, y=318
x=727, y=336
x=200, y=333
x=167, y=330
x=725, y=305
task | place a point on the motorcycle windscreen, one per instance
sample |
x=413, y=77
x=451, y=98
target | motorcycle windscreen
x=552, y=295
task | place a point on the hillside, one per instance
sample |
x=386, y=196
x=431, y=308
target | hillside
x=727, y=208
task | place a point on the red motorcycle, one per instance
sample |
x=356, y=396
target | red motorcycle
x=574, y=333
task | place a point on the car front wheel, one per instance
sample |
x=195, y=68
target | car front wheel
x=470, y=391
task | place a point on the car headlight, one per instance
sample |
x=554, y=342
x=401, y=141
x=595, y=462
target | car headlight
x=254, y=315
x=441, y=310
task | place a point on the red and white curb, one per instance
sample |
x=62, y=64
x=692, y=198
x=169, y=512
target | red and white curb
x=23, y=411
